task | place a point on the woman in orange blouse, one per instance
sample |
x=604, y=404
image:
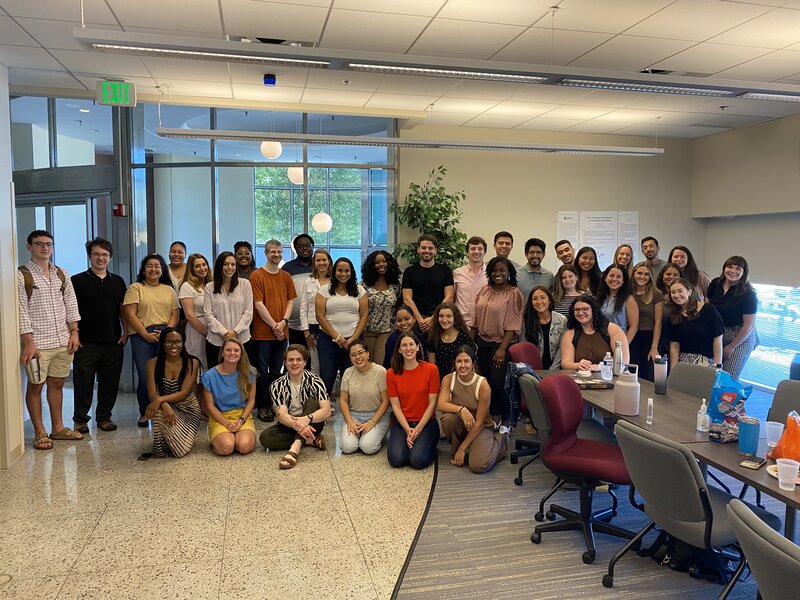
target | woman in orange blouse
x=497, y=322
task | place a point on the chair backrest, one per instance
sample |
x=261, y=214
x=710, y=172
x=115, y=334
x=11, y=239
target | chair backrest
x=786, y=399
x=774, y=560
x=564, y=404
x=694, y=380
x=530, y=392
x=527, y=353
x=667, y=477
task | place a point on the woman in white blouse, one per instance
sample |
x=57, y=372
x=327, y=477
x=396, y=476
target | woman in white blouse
x=342, y=315
x=228, y=307
x=320, y=277
x=191, y=295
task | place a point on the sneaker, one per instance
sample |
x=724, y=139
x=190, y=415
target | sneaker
x=264, y=414
x=107, y=425
x=503, y=430
x=81, y=427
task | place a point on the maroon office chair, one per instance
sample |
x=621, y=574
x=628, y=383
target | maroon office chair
x=527, y=353
x=585, y=463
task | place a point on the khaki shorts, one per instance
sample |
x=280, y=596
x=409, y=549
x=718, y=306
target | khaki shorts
x=55, y=362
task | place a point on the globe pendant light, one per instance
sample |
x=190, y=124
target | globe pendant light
x=295, y=175
x=322, y=222
x=271, y=150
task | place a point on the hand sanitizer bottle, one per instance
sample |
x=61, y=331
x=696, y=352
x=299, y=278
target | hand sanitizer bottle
x=649, y=418
x=703, y=420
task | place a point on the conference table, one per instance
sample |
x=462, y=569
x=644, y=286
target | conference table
x=675, y=418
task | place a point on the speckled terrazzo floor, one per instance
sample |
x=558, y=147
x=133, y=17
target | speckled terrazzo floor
x=87, y=520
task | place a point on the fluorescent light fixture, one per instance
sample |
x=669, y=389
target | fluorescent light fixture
x=452, y=73
x=773, y=96
x=311, y=138
x=200, y=54
x=644, y=87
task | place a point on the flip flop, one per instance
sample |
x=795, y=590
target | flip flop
x=66, y=434
x=289, y=461
x=42, y=442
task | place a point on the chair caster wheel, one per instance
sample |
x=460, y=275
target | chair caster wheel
x=588, y=556
x=538, y=517
x=551, y=516
x=536, y=538
x=514, y=460
x=608, y=581
x=695, y=573
x=518, y=481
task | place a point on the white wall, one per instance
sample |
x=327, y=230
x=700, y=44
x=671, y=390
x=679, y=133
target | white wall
x=522, y=192
x=30, y=147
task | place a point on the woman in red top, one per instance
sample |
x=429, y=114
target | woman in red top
x=413, y=387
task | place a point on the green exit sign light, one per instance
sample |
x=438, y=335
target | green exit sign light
x=116, y=93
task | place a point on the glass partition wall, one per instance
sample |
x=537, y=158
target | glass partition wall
x=211, y=194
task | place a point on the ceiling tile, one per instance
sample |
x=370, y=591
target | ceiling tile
x=775, y=65
x=179, y=87
x=95, y=11
x=43, y=78
x=594, y=127
x=407, y=84
x=405, y=101
x=710, y=58
x=441, y=119
x=242, y=91
x=580, y=113
x=696, y=20
x=13, y=35
x=550, y=93
x=525, y=109
x=774, y=29
x=733, y=121
x=58, y=34
x=374, y=32
x=509, y=12
x=629, y=52
x=279, y=21
x=606, y=98
x=489, y=90
x=496, y=121
x=254, y=75
x=103, y=64
x=334, y=80
x=462, y=105
x=614, y=16
x=670, y=102
x=176, y=68
x=425, y=8
x=631, y=115
x=180, y=33
x=337, y=97
x=547, y=124
x=746, y=106
x=27, y=57
x=689, y=131
x=688, y=118
x=545, y=47
x=466, y=38
x=190, y=15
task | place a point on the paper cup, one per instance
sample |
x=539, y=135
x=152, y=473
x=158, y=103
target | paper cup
x=787, y=473
x=774, y=432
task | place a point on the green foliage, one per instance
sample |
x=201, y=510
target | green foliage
x=428, y=208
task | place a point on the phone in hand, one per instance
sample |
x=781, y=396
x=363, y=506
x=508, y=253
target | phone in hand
x=755, y=463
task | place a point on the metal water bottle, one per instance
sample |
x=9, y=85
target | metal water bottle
x=660, y=366
x=617, y=358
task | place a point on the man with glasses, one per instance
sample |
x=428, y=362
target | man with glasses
x=48, y=325
x=103, y=336
x=300, y=269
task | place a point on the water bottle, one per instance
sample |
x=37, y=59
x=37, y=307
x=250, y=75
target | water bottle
x=617, y=369
x=660, y=367
x=606, y=369
x=649, y=418
x=703, y=420
x=626, y=393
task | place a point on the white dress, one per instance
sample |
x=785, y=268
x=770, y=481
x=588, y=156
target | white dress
x=195, y=341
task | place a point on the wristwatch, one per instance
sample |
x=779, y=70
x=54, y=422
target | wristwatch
x=310, y=418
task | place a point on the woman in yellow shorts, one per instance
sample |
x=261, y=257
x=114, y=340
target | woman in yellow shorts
x=230, y=394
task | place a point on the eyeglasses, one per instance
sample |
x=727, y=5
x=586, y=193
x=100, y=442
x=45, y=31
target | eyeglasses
x=357, y=354
x=173, y=343
x=582, y=310
x=101, y=255
x=43, y=244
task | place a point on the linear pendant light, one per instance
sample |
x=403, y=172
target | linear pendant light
x=653, y=88
x=310, y=138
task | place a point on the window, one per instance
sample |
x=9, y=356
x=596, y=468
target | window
x=778, y=326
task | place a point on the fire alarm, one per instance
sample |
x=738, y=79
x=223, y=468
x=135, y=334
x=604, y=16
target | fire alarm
x=270, y=79
x=120, y=210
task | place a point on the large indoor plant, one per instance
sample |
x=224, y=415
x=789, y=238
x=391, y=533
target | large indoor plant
x=428, y=208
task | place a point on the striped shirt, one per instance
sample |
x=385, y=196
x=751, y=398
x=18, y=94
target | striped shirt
x=311, y=388
x=48, y=311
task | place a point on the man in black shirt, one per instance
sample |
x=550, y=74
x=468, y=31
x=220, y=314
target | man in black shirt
x=426, y=284
x=103, y=335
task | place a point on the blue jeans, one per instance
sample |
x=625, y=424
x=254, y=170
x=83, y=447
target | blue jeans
x=142, y=352
x=268, y=356
x=423, y=452
x=332, y=360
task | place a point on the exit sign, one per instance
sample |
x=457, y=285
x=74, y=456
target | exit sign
x=116, y=93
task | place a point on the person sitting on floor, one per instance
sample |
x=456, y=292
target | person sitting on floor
x=171, y=382
x=230, y=395
x=301, y=406
x=464, y=405
x=364, y=403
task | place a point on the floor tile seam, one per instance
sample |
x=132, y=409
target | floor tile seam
x=224, y=534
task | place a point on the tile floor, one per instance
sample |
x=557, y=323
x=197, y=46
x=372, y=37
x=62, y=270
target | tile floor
x=87, y=520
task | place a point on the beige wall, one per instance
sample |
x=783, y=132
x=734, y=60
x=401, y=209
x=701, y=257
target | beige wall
x=522, y=192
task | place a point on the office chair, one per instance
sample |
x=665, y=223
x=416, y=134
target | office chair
x=527, y=353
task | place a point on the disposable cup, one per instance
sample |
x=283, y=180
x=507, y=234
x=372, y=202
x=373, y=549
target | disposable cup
x=774, y=432
x=787, y=473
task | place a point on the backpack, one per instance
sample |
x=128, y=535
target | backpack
x=27, y=278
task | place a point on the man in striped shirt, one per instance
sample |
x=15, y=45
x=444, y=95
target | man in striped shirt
x=48, y=325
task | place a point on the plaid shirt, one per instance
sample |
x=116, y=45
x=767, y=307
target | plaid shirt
x=47, y=313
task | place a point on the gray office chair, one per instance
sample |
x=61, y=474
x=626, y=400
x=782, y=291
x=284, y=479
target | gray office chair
x=773, y=559
x=678, y=500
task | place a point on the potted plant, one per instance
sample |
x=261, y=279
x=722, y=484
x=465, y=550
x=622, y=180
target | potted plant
x=428, y=208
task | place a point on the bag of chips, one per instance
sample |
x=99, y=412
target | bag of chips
x=726, y=406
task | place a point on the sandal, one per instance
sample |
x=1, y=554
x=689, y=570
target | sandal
x=66, y=434
x=289, y=461
x=43, y=442
x=319, y=442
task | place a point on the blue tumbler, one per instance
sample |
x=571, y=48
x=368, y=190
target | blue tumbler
x=748, y=436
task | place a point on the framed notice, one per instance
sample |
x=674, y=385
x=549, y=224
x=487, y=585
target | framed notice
x=598, y=229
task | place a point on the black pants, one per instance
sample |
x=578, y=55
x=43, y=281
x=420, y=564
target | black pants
x=298, y=337
x=104, y=363
x=496, y=376
x=639, y=349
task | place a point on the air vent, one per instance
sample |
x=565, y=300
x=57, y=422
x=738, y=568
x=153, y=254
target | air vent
x=270, y=41
x=678, y=73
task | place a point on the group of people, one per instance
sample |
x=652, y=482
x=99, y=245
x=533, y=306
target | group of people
x=417, y=357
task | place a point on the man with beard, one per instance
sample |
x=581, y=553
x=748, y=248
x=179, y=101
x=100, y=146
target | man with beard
x=300, y=269
x=531, y=274
x=426, y=284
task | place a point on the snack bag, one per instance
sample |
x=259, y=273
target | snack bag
x=789, y=444
x=726, y=406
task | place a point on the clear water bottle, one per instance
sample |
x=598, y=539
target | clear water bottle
x=606, y=367
x=618, y=359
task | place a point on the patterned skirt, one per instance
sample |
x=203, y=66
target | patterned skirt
x=177, y=439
